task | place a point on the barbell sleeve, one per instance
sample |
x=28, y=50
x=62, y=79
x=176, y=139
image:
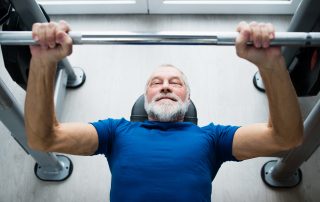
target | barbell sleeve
x=163, y=38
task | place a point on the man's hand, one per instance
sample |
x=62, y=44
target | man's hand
x=54, y=42
x=260, y=53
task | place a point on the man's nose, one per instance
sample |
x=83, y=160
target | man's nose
x=166, y=88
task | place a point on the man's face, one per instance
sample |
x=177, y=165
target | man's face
x=166, y=96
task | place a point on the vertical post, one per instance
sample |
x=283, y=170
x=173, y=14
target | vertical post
x=285, y=172
x=49, y=167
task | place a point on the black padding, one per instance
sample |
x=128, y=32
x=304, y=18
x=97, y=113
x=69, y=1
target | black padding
x=304, y=62
x=139, y=114
x=305, y=76
x=5, y=10
x=17, y=58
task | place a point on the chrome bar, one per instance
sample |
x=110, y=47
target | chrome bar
x=164, y=38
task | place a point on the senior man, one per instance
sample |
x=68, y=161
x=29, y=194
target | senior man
x=163, y=159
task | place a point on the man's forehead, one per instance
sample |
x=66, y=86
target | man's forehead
x=165, y=72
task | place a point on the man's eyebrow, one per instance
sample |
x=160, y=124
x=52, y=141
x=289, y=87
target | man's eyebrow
x=176, y=77
x=152, y=79
x=172, y=78
x=156, y=77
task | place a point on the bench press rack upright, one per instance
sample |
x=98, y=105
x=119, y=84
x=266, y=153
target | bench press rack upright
x=49, y=166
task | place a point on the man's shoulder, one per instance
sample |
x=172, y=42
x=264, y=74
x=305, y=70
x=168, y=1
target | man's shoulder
x=219, y=128
x=111, y=123
x=209, y=126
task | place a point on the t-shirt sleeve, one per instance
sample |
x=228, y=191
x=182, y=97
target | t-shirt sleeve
x=106, y=132
x=223, y=139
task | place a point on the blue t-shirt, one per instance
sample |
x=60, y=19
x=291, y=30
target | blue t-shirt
x=157, y=161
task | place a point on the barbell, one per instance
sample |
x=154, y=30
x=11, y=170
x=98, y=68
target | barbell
x=163, y=38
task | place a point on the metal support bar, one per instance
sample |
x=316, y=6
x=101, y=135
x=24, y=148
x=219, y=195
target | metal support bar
x=164, y=38
x=52, y=168
x=285, y=172
x=76, y=75
x=258, y=82
x=48, y=167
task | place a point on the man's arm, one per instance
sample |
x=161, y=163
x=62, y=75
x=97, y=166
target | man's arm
x=284, y=129
x=43, y=130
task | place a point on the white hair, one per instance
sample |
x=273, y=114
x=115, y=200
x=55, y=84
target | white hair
x=183, y=77
x=167, y=111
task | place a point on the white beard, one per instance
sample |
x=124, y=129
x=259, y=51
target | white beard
x=166, y=110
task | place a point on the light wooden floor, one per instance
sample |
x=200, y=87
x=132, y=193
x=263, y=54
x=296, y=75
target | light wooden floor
x=221, y=88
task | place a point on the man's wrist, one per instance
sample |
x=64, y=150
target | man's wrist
x=42, y=66
x=275, y=64
x=44, y=62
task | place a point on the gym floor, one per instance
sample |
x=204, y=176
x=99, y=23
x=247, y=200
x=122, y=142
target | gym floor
x=221, y=88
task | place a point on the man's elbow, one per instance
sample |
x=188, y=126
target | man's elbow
x=36, y=145
x=298, y=141
x=40, y=139
x=299, y=136
x=39, y=144
x=295, y=141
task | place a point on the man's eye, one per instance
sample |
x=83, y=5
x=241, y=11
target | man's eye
x=176, y=83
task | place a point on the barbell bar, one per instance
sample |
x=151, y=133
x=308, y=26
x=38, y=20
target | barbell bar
x=163, y=38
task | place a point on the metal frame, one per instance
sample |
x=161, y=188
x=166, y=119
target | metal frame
x=223, y=6
x=170, y=6
x=48, y=167
x=285, y=172
x=94, y=7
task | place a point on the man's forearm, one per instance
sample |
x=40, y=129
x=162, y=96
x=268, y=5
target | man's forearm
x=40, y=119
x=285, y=116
